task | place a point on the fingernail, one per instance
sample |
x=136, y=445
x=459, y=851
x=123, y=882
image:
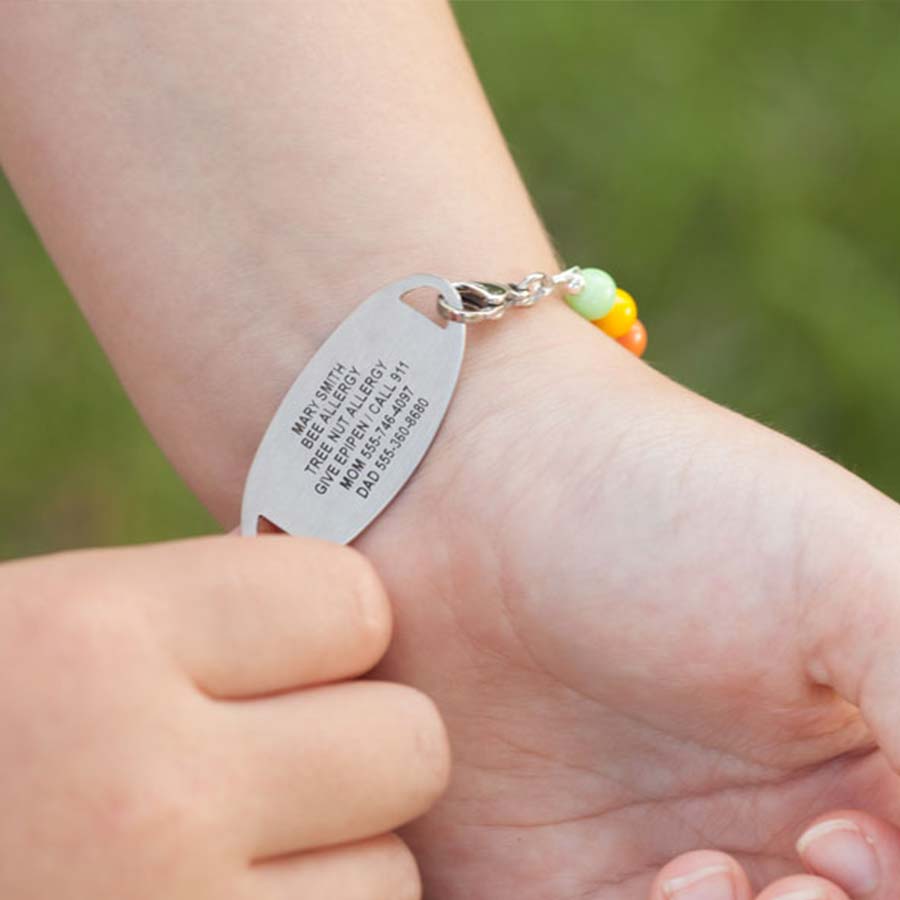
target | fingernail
x=838, y=850
x=710, y=883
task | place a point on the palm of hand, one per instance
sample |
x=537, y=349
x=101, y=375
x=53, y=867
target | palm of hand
x=618, y=620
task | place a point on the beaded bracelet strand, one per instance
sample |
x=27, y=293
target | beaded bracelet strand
x=610, y=308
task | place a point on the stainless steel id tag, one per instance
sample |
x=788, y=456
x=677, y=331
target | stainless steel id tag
x=358, y=419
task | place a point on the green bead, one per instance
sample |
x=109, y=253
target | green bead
x=597, y=296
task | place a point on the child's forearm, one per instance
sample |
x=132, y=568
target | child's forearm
x=221, y=184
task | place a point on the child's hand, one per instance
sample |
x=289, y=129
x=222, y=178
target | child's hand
x=171, y=727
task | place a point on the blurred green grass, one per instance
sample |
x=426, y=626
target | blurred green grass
x=736, y=165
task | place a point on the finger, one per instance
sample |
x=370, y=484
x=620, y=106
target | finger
x=245, y=617
x=333, y=764
x=701, y=875
x=381, y=868
x=856, y=851
x=804, y=887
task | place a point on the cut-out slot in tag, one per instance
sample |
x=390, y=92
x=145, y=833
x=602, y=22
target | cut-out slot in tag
x=359, y=418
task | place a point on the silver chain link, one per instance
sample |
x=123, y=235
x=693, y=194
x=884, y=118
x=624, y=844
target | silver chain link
x=484, y=301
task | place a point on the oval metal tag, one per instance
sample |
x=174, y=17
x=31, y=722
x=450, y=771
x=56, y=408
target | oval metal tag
x=358, y=419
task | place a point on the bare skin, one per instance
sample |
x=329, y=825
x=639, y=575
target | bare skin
x=652, y=626
x=136, y=682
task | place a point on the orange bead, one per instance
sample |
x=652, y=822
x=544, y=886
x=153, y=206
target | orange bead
x=621, y=317
x=635, y=339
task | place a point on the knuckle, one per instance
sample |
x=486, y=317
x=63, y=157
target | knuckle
x=69, y=614
x=154, y=816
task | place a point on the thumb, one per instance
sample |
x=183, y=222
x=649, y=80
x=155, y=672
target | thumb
x=852, y=600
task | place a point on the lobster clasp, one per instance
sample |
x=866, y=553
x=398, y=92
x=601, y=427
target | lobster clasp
x=481, y=300
x=482, y=295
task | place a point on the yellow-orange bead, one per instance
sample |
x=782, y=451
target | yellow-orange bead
x=635, y=339
x=621, y=317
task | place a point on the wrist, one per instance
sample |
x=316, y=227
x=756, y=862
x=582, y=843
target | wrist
x=259, y=361
x=543, y=348
x=363, y=413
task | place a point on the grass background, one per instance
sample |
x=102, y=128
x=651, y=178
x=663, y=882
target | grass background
x=737, y=165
